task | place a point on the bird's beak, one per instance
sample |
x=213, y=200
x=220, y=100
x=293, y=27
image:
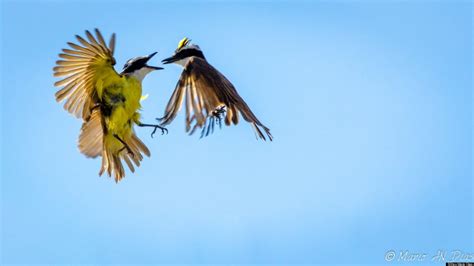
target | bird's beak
x=169, y=60
x=151, y=55
x=153, y=67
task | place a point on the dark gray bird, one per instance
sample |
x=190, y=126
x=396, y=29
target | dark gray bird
x=209, y=95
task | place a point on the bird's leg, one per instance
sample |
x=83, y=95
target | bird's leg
x=125, y=145
x=163, y=129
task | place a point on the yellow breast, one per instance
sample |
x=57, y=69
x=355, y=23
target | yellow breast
x=123, y=94
x=132, y=93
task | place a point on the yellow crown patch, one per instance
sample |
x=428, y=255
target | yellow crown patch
x=183, y=43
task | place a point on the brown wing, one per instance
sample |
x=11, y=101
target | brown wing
x=83, y=66
x=205, y=90
x=92, y=133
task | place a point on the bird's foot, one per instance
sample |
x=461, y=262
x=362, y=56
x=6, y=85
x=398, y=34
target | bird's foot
x=156, y=127
x=218, y=114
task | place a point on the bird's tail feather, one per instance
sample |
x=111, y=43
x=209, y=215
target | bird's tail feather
x=114, y=152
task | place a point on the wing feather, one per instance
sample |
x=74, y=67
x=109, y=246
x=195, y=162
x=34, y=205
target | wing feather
x=100, y=38
x=91, y=136
x=88, y=45
x=81, y=49
x=112, y=43
x=82, y=67
x=197, y=103
x=74, y=52
x=60, y=73
x=188, y=106
x=175, y=102
x=73, y=57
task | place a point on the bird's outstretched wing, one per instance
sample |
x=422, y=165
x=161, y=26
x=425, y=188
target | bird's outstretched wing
x=84, y=67
x=206, y=93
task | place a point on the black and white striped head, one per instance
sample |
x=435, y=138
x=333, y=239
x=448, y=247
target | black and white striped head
x=138, y=67
x=184, y=52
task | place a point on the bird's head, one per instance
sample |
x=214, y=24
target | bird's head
x=138, y=67
x=184, y=52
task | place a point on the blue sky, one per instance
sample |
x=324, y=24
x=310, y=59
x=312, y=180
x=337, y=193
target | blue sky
x=369, y=103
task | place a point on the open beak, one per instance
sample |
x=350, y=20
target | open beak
x=153, y=67
x=168, y=60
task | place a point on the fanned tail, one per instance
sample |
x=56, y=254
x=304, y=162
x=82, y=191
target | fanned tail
x=114, y=152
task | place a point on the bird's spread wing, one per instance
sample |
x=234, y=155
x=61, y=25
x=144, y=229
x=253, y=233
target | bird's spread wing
x=206, y=91
x=83, y=67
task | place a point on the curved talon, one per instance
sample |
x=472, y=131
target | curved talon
x=218, y=111
x=214, y=117
x=163, y=130
x=155, y=127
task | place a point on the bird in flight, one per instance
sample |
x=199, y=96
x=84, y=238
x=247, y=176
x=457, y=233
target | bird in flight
x=208, y=94
x=108, y=102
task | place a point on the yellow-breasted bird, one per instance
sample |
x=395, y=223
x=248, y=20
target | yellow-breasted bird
x=108, y=102
x=209, y=95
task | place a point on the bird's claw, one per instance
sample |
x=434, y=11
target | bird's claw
x=163, y=130
x=218, y=114
x=218, y=111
